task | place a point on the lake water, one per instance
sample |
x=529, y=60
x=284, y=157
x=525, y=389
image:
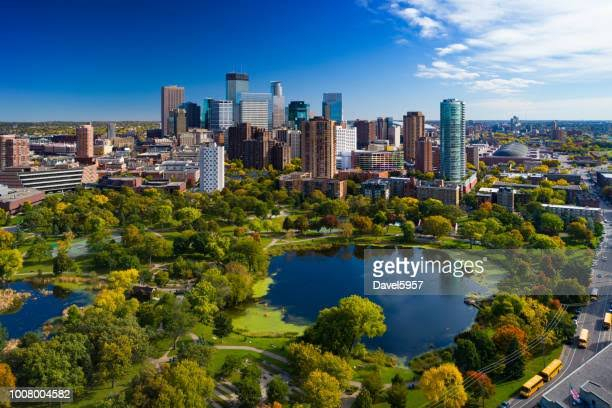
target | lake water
x=306, y=282
x=39, y=307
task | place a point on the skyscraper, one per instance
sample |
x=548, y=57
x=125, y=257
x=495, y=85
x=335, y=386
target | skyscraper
x=177, y=122
x=171, y=97
x=205, y=113
x=235, y=84
x=236, y=136
x=212, y=169
x=110, y=130
x=332, y=106
x=256, y=109
x=414, y=130
x=192, y=112
x=319, y=147
x=381, y=129
x=424, y=155
x=221, y=114
x=364, y=137
x=452, y=140
x=297, y=113
x=85, y=143
x=278, y=104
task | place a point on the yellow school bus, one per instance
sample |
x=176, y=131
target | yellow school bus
x=583, y=339
x=607, y=321
x=531, y=386
x=550, y=371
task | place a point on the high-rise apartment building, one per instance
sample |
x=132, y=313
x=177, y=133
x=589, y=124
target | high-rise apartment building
x=346, y=139
x=278, y=104
x=364, y=134
x=414, y=130
x=171, y=97
x=331, y=107
x=424, y=155
x=256, y=150
x=236, y=136
x=256, y=109
x=14, y=151
x=236, y=83
x=221, y=114
x=85, y=143
x=212, y=169
x=319, y=147
x=280, y=154
x=297, y=112
x=192, y=112
x=452, y=140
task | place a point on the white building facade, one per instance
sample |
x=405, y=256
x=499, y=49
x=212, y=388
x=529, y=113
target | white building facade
x=212, y=169
x=346, y=139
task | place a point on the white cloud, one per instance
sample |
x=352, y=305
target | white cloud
x=452, y=48
x=428, y=27
x=443, y=70
x=502, y=86
x=542, y=41
x=401, y=41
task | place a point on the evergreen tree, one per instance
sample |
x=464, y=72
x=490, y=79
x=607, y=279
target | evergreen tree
x=515, y=361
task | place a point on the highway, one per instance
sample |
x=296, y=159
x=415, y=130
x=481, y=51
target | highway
x=590, y=318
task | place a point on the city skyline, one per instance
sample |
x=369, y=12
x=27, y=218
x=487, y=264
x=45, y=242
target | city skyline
x=430, y=49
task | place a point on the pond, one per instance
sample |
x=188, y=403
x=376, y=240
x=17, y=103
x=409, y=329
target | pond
x=45, y=303
x=307, y=282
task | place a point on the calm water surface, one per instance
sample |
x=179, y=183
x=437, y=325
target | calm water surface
x=306, y=282
x=45, y=303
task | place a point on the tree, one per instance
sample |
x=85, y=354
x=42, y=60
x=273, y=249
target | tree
x=278, y=390
x=373, y=384
x=115, y=358
x=7, y=379
x=579, y=232
x=301, y=224
x=437, y=226
x=249, y=391
x=195, y=351
x=322, y=390
x=123, y=279
x=444, y=384
x=397, y=395
x=223, y=325
x=480, y=385
x=287, y=224
x=338, y=329
x=305, y=358
x=408, y=231
x=40, y=250
x=363, y=400
x=63, y=263
x=11, y=262
x=515, y=360
x=472, y=230
x=506, y=334
x=346, y=229
x=203, y=300
x=466, y=356
x=7, y=240
x=551, y=224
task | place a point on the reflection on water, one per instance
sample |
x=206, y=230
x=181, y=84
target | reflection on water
x=306, y=282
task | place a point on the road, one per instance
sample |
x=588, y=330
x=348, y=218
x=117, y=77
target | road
x=590, y=318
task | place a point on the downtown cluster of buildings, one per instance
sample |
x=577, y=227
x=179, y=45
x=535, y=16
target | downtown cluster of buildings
x=194, y=141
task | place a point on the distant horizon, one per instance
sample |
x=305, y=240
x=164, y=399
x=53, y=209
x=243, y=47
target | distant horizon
x=385, y=56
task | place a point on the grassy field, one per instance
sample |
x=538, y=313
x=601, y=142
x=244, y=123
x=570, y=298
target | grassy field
x=263, y=320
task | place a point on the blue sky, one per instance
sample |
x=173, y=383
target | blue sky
x=106, y=59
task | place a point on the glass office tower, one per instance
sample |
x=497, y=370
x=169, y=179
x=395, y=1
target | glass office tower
x=235, y=84
x=452, y=140
x=332, y=106
x=297, y=113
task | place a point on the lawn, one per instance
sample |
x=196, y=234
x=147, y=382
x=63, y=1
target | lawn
x=94, y=396
x=263, y=320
